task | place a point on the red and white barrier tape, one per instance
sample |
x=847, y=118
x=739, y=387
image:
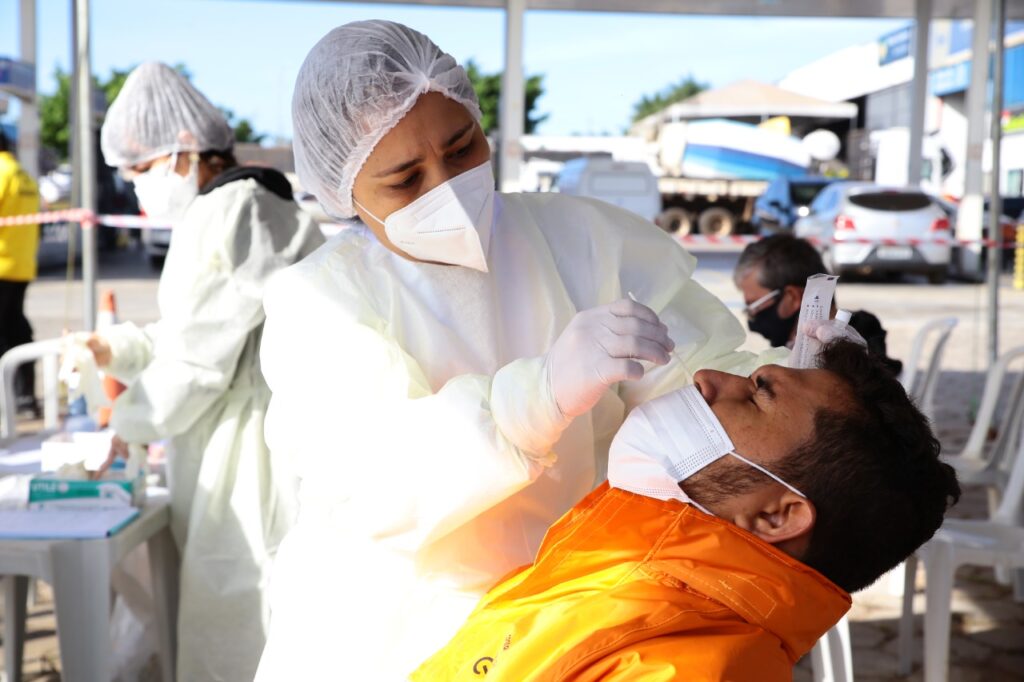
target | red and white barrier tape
x=138, y=222
x=743, y=239
x=86, y=218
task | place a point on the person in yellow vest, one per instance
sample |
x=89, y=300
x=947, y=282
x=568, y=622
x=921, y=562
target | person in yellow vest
x=19, y=195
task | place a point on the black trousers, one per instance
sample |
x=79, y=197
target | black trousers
x=14, y=331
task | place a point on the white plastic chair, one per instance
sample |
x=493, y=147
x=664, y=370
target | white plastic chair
x=49, y=352
x=832, y=656
x=976, y=464
x=921, y=386
x=997, y=543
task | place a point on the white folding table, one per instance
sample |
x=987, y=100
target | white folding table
x=79, y=572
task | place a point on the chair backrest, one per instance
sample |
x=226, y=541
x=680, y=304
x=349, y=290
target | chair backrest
x=1011, y=506
x=910, y=377
x=975, y=447
x=49, y=352
x=924, y=392
x=1005, y=446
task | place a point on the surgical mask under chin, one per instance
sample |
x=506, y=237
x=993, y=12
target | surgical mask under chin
x=163, y=194
x=449, y=224
x=771, y=326
x=668, y=440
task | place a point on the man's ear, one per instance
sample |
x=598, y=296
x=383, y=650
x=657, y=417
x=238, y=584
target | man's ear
x=786, y=522
x=792, y=297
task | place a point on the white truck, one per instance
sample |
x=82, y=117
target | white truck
x=715, y=169
x=627, y=184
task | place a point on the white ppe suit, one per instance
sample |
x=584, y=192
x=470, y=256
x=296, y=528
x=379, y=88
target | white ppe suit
x=194, y=377
x=414, y=402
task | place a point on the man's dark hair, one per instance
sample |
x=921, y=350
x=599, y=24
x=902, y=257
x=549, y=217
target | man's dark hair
x=783, y=260
x=871, y=470
x=5, y=144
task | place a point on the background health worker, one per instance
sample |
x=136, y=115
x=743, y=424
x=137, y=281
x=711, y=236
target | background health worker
x=448, y=372
x=194, y=376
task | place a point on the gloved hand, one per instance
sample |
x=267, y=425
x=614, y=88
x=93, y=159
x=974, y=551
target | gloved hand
x=827, y=331
x=100, y=348
x=601, y=347
x=118, y=448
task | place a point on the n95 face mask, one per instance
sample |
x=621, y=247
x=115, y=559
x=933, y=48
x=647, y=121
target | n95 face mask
x=163, y=194
x=449, y=224
x=667, y=440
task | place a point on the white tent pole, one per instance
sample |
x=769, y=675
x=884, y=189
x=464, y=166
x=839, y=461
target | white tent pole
x=995, y=252
x=969, y=213
x=513, y=98
x=922, y=26
x=86, y=169
x=28, y=123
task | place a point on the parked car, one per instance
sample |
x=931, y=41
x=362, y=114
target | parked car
x=963, y=257
x=784, y=201
x=853, y=211
x=155, y=242
x=627, y=184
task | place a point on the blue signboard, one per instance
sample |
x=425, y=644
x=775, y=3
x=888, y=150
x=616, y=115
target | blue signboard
x=1013, y=81
x=960, y=36
x=17, y=78
x=956, y=78
x=949, y=79
x=895, y=46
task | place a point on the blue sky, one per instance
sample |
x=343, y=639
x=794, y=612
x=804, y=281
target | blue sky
x=244, y=54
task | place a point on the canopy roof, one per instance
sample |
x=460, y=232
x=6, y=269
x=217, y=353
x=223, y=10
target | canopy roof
x=941, y=9
x=750, y=98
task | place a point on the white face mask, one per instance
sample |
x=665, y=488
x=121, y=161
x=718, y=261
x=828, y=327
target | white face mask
x=449, y=224
x=667, y=440
x=163, y=194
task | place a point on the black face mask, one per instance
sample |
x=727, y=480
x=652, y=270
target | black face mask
x=768, y=324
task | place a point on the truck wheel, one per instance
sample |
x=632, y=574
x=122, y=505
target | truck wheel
x=717, y=221
x=675, y=220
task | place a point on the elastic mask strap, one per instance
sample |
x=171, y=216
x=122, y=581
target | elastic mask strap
x=695, y=503
x=767, y=473
x=367, y=211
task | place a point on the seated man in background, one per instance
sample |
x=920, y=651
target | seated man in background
x=771, y=274
x=739, y=514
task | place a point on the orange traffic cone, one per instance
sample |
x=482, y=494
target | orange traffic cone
x=106, y=317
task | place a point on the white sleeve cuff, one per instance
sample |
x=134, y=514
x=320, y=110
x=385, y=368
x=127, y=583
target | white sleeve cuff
x=525, y=410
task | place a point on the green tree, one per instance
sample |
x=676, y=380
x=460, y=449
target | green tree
x=54, y=116
x=488, y=91
x=55, y=112
x=677, y=92
x=244, y=131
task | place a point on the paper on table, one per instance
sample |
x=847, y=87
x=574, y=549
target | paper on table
x=64, y=524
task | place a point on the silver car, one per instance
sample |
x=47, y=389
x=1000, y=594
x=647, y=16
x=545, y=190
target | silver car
x=867, y=228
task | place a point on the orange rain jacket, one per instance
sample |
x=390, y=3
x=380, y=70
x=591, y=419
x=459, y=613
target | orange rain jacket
x=627, y=587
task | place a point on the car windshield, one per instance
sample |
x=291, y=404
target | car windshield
x=803, y=193
x=890, y=201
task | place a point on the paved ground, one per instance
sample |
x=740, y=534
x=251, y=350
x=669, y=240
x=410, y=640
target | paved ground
x=988, y=639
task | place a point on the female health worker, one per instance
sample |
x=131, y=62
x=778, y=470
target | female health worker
x=194, y=376
x=447, y=373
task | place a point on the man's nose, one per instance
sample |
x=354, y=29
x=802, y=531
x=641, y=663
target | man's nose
x=714, y=385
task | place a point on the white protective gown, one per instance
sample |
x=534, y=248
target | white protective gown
x=413, y=400
x=194, y=377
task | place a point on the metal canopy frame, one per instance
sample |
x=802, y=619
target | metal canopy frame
x=512, y=108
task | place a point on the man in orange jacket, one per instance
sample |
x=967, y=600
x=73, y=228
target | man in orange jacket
x=739, y=514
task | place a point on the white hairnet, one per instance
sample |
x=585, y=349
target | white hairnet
x=159, y=112
x=354, y=87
